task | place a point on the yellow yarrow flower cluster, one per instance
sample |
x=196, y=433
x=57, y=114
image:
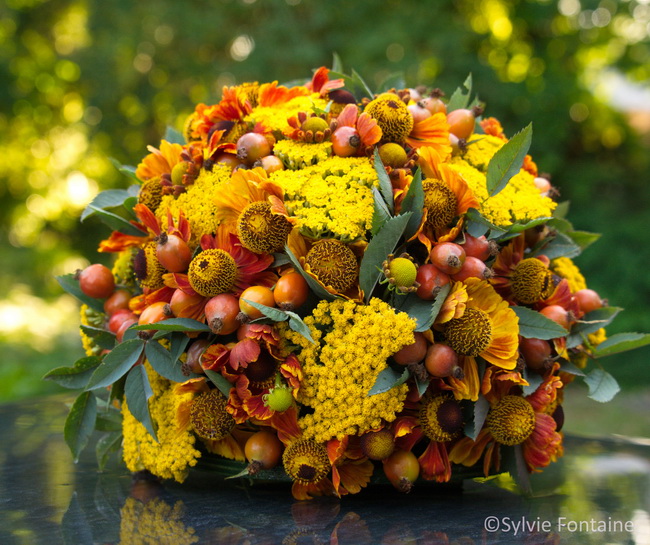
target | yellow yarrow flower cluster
x=197, y=203
x=92, y=318
x=175, y=453
x=275, y=117
x=566, y=268
x=123, y=268
x=519, y=201
x=332, y=198
x=154, y=523
x=352, y=345
x=479, y=152
x=297, y=155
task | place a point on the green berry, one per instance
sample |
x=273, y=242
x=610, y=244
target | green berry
x=279, y=399
x=403, y=271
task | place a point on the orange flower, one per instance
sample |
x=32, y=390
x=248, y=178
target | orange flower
x=159, y=162
x=431, y=133
x=321, y=83
x=367, y=127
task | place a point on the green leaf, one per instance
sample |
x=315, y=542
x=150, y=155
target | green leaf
x=392, y=81
x=517, y=228
x=570, y=368
x=534, y=325
x=416, y=308
x=75, y=377
x=70, y=284
x=481, y=408
x=414, y=202
x=219, y=381
x=109, y=420
x=377, y=251
x=591, y=323
x=176, y=324
x=138, y=392
x=161, y=360
x=507, y=161
x=361, y=84
x=439, y=301
x=296, y=323
x=354, y=83
x=178, y=345
x=478, y=226
x=380, y=214
x=385, y=186
x=460, y=97
x=562, y=209
x=534, y=381
x=106, y=199
x=127, y=170
x=337, y=64
x=107, y=445
x=317, y=288
x=584, y=238
x=75, y=528
x=559, y=245
x=387, y=379
x=117, y=223
x=602, y=386
x=80, y=423
x=421, y=385
x=278, y=315
x=116, y=364
x=621, y=342
x=117, y=391
x=174, y=137
x=102, y=338
x=280, y=259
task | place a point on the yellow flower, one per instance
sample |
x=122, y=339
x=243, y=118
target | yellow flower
x=274, y=117
x=174, y=454
x=154, y=522
x=566, y=268
x=341, y=368
x=90, y=317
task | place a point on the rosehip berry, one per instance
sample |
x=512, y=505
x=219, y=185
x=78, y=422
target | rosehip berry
x=271, y=163
x=97, y=281
x=345, y=141
x=418, y=112
x=257, y=294
x=263, y=450
x=434, y=105
x=536, y=352
x=431, y=279
x=126, y=324
x=392, y=155
x=252, y=146
x=290, y=291
x=478, y=247
x=118, y=301
x=588, y=300
x=194, y=354
x=448, y=257
x=118, y=318
x=402, y=469
x=558, y=314
x=173, y=253
x=461, y=122
x=183, y=305
x=412, y=353
x=473, y=268
x=155, y=312
x=221, y=313
x=442, y=361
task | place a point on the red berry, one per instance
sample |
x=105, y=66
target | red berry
x=263, y=450
x=183, y=305
x=345, y=141
x=402, y=469
x=418, y=112
x=118, y=301
x=442, y=361
x=536, y=352
x=472, y=268
x=194, y=353
x=448, y=257
x=252, y=146
x=97, y=281
x=228, y=159
x=118, y=318
x=558, y=314
x=271, y=163
x=461, y=123
x=478, y=247
x=434, y=105
x=173, y=253
x=291, y=291
x=588, y=300
x=431, y=279
x=257, y=294
x=412, y=353
x=154, y=313
x=221, y=314
x=126, y=324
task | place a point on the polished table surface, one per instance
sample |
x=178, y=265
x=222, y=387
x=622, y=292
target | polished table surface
x=598, y=493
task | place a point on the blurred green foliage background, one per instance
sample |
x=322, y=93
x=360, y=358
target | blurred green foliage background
x=87, y=80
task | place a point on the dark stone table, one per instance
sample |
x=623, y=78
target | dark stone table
x=599, y=493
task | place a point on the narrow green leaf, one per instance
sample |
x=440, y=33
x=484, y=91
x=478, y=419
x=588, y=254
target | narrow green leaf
x=385, y=186
x=106, y=199
x=460, y=97
x=337, y=64
x=534, y=325
x=109, y=420
x=602, y=386
x=621, y=342
x=80, y=423
x=559, y=245
x=507, y=161
x=380, y=214
x=377, y=251
x=562, y=209
x=219, y=381
x=107, y=445
x=317, y=288
x=481, y=408
x=272, y=313
x=534, y=381
x=174, y=137
x=387, y=379
x=102, y=338
x=71, y=285
x=478, y=226
x=178, y=346
x=416, y=308
x=591, y=323
x=138, y=392
x=296, y=323
x=421, y=385
x=570, y=368
x=75, y=377
x=116, y=364
x=584, y=238
x=127, y=170
x=517, y=228
x=439, y=301
x=360, y=83
x=176, y=324
x=280, y=259
x=392, y=81
x=117, y=223
x=117, y=391
x=161, y=360
x=414, y=202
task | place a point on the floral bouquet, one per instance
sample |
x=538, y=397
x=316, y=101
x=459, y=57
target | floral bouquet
x=321, y=284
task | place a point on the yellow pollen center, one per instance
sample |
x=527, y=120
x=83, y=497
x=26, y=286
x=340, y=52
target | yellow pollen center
x=306, y=461
x=470, y=334
x=440, y=417
x=511, y=421
x=153, y=270
x=209, y=418
x=392, y=116
x=334, y=264
x=212, y=272
x=531, y=281
x=440, y=202
x=260, y=230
